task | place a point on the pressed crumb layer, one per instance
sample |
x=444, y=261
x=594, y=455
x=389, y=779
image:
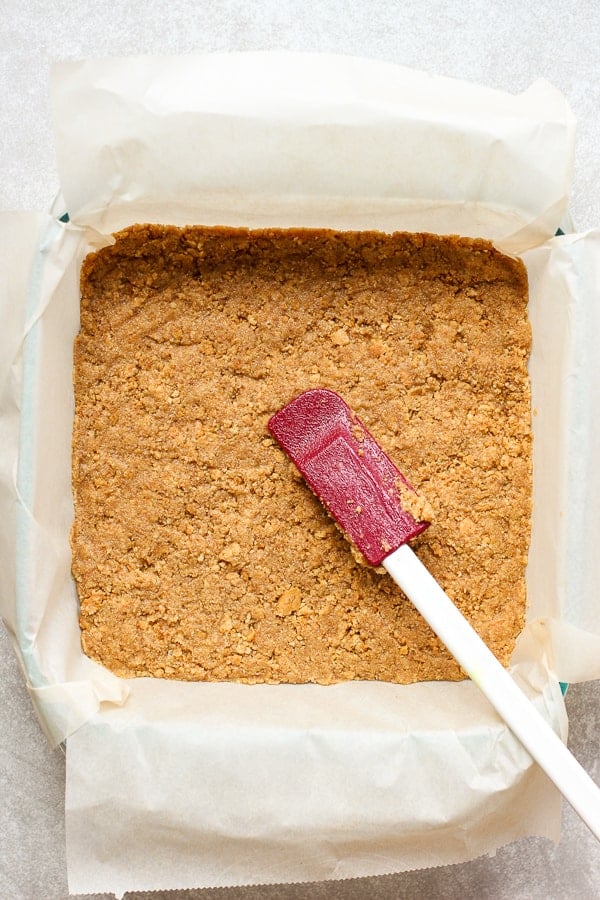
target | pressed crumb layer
x=198, y=551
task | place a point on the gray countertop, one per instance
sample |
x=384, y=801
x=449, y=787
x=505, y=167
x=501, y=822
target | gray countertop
x=506, y=45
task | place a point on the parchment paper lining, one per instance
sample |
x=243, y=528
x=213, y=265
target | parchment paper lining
x=206, y=785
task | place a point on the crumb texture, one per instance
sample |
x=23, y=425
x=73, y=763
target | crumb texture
x=198, y=551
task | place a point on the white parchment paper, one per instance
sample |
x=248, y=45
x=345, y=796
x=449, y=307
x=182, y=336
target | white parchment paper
x=309, y=140
x=175, y=785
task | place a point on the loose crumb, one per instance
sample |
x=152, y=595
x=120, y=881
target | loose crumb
x=415, y=504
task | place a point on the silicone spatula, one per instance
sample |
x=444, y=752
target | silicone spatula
x=371, y=501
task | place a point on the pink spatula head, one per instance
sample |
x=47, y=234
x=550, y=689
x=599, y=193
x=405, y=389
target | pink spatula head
x=348, y=471
x=367, y=496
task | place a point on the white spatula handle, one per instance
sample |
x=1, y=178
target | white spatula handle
x=483, y=668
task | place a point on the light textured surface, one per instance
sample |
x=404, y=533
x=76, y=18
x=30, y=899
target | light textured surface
x=505, y=45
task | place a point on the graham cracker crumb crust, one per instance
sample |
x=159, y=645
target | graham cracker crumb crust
x=198, y=551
